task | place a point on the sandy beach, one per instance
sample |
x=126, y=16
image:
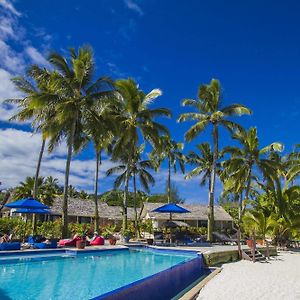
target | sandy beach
x=279, y=278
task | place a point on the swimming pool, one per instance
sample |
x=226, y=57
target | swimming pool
x=93, y=275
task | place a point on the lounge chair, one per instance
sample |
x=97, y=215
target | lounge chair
x=69, y=242
x=43, y=245
x=158, y=238
x=10, y=246
x=223, y=238
x=99, y=240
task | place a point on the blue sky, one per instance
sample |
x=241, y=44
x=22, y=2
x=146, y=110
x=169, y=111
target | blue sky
x=252, y=47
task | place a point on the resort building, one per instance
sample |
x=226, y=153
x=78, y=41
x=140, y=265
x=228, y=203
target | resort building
x=196, y=218
x=83, y=211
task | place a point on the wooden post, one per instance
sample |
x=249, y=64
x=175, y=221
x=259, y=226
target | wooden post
x=254, y=246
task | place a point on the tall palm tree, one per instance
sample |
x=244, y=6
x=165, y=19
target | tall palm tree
x=203, y=163
x=101, y=130
x=33, y=86
x=135, y=120
x=209, y=111
x=239, y=169
x=170, y=150
x=75, y=94
x=137, y=168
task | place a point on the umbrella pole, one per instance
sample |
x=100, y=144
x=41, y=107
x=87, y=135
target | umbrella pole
x=33, y=223
x=170, y=229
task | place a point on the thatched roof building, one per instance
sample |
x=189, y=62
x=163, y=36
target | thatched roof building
x=85, y=208
x=197, y=217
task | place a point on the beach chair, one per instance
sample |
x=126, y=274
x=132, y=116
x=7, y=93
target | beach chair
x=10, y=246
x=98, y=241
x=69, y=242
x=223, y=238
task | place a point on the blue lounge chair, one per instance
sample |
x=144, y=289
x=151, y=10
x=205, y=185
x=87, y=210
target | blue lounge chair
x=10, y=246
x=53, y=244
x=37, y=243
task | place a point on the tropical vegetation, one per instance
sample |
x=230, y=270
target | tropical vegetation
x=69, y=103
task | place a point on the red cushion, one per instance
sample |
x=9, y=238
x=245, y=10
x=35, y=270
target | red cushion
x=99, y=240
x=69, y=242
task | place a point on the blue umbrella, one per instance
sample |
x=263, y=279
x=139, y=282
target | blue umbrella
x=27, y=203
x=171, y=208
x=38, y=211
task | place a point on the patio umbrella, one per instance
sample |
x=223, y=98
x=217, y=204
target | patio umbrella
x=27, y=203
x=38, y=211
x=171, y=208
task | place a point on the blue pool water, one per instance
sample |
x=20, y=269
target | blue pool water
x=81, y=276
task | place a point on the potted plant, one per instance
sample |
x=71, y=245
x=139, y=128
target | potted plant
x=112, y=240
x=126, y=235
x=81, y=231
x=108, y=234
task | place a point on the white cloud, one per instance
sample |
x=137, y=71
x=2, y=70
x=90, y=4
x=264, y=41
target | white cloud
x=7, y=91
x=13, y=61
x=8, y=5
x=10, y=59
x=36, y=56
x=19, y=152
x=134, y=6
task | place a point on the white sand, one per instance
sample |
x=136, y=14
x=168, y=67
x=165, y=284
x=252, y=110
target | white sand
x=279, y=278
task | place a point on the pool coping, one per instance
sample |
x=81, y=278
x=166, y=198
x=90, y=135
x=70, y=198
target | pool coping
x=194, y=292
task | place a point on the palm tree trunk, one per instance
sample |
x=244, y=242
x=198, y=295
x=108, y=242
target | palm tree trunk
x=35, y=185
x=169, y=180
x=239, y=226
x=66, y=186
x=98, y=162
x=210, y=225
x=242, y=210
x=125, y=200
x=136, y=225
x=37, y=172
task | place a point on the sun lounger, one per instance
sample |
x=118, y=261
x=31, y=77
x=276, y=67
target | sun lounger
x=223, y=238
x=99, y=240
x=10, y=246
x=69, y=242
x=51, y=245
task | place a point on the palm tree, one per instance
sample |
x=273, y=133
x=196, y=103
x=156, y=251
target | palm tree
x=33, y=86
x=170, y=150
x=101, y=130
x=137, y=167
x=45, y=192
x=203, y=163
x=238, y=175
x=135, y=120
x=258, y=223
x=26, y=188
x=210, y=112
x=75, y=95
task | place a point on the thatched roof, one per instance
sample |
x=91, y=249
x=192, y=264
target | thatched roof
x=197, y=212
x=85, y=208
